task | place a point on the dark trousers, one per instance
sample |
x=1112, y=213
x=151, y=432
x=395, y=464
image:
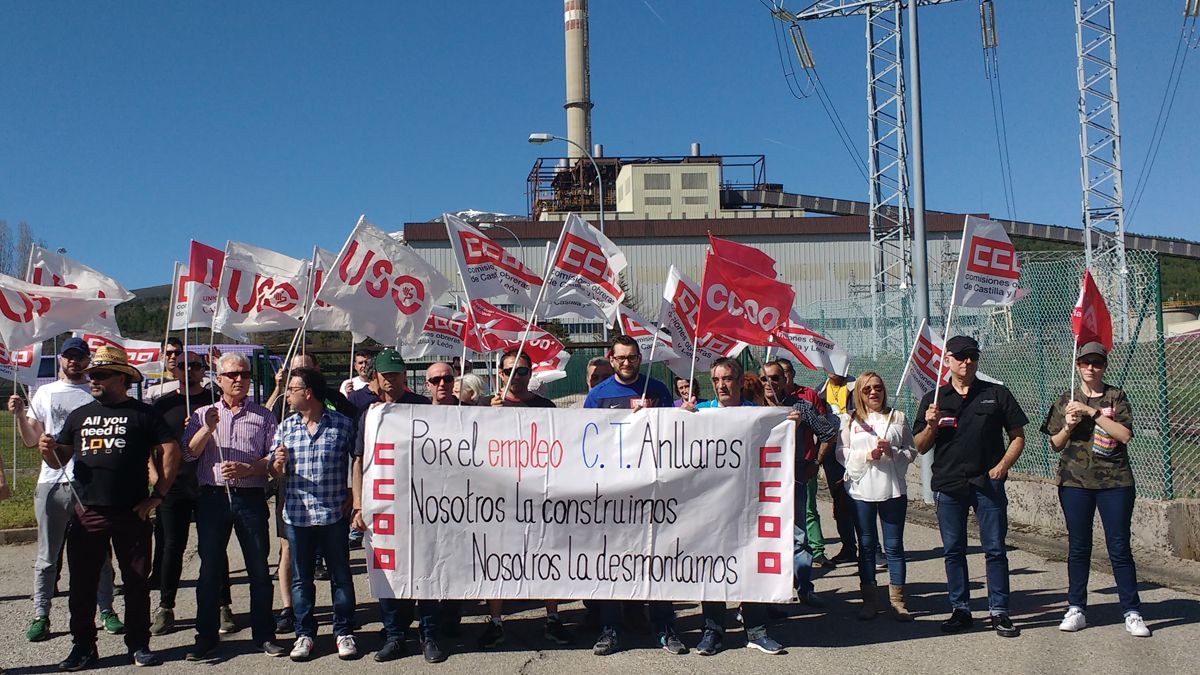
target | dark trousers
x=333, y=543
x=754, y=617
x=843, y=510
x=612, y=615
x=1079, y=507
x=243, y=511
x=92, y=532
x=172, y=525
x=990, y=504
x=398, y=616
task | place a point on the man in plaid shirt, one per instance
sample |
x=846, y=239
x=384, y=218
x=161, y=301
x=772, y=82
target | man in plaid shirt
x=313, y=449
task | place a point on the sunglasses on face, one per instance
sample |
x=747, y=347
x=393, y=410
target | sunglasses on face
x=874, y=387
x=519, y=371
x=772, y=378
x=100, y=375
x=969, y=356
x=172, y=352
x=1097, y=364
x=441, y=379
x=237, y=374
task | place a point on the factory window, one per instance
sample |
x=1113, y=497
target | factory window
x=657, y=181
x=695, y=181
x=702, y=199
x=658, y=201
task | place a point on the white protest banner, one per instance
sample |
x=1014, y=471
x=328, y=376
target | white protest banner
x=925, y=363
x=30, y=313
x=443, y=335
x=813, y=350
x=21, y=365
x=658, y=504
x=681, y=304
x=487, y=269
x=988, y=270
x=47, y=268
x=140, y=352
x=385, y=288
x=643, y=332
x=582, y=279
x=260, y=290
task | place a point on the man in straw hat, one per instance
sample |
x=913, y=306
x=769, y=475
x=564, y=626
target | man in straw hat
x=112, y=441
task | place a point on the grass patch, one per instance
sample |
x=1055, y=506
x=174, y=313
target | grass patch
x=17, y=511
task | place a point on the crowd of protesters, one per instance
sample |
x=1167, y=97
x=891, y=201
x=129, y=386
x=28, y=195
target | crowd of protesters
x=200, y=450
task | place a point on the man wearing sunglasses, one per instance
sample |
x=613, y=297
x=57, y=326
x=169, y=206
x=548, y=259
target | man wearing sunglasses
x=173, y=518
x=231, y=443
x=113, y=441
x=53, y=503
x=966, y=430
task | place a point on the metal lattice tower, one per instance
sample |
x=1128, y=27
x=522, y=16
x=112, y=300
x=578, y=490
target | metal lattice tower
x=889, y=216
x=1100, y=152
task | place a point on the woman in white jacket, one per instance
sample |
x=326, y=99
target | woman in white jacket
x=876, y=447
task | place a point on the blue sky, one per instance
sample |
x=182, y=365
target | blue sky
x=128, y=128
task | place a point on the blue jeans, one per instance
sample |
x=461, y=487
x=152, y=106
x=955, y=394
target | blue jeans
x=802, y=555
x=398, y=614
x=244, y=511
x=891, y=513
x=991, y=510
x=1079, y=507
x=754, y=618
x=333, y=542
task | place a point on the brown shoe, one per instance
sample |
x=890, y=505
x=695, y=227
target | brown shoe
x=899, y=611
x=869, y=602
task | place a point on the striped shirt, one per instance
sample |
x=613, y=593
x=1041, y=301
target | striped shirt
x=243, y=437
x=317, y=468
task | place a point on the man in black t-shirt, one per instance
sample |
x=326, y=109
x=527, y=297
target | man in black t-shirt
x=965, y=428
x=113, y=441
x=173, y=518
x=514, y=377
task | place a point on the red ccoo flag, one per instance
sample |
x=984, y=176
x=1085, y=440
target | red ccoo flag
x=740, y=303
x=1090, y=321
x=746, y=256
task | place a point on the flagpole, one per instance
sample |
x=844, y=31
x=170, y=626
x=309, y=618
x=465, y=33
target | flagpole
x=962, y=247
x=162, y=352
x=1074, y=358
x=533, y=314
x=653, y=345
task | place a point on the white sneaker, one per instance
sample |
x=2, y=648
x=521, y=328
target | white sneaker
x=1135, y=626
x=302, y=649
x=1073, y=620
x=346, y=647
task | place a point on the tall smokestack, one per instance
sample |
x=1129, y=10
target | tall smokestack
x=579, y=89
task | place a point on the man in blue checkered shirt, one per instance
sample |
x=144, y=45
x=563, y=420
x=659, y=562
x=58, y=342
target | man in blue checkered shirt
x=313, y=448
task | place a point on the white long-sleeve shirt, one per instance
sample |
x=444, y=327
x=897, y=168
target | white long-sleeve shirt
x=881, y=479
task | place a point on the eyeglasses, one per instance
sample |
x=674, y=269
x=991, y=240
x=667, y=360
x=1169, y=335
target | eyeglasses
x=237, y=374
x=292, y=390
x=627, y=359
x=441, y=379
x=772, y=378
x=519, y=371
x=100, y=375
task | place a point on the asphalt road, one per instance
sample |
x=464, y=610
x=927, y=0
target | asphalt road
x=819, y=641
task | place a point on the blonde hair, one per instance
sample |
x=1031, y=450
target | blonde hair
x=860, y=401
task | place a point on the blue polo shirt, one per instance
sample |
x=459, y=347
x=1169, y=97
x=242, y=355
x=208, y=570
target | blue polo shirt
x=613, y=394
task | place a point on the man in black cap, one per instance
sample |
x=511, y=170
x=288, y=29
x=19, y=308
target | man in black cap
x=965, y=427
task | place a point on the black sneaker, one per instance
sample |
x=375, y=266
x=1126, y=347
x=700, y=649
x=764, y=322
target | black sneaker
x=203, y=649
x=558, y=633
x=432, y=652
x=607, y=643
x=320, y=573
x=285, y=621
x=493, y=635
x=391, y=650
x=671, y=643
x=273, y=649
x=823, y=562
x=959, y=621
x=80, y=658
x=1004, y=626
x=144, y=657
x=845, y=556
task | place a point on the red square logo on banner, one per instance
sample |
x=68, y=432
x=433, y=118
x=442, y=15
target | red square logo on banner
x=769, y=562
x=769, y=527
x=385, y=558
x=384, y=523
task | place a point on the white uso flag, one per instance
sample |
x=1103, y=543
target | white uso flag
x=582, y=279
x=47, y=268
x=21, y=365
x=260, y=290
x=988, y=271
x=385, y=288
x=681, y=305
x=30, y=313
x=487, y=269
x=925, y=362
x=643, y=332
